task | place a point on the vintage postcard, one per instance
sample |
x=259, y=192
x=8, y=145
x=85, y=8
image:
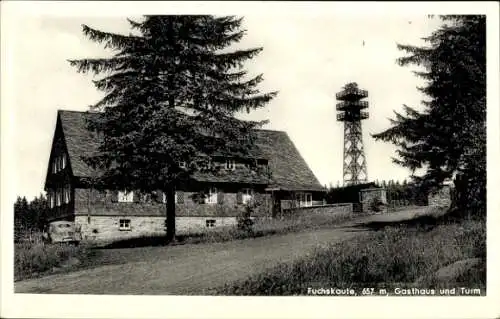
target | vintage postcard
x=157, y=155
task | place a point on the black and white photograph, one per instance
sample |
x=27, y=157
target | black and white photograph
x=324, y=152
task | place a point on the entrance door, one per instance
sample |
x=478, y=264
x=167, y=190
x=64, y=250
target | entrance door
x=276, y=210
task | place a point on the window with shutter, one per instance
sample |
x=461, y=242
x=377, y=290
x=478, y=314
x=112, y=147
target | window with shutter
x=220, y=198
x=180, y=197
x=136, y=196
x=211, y=197
x=247, y=195
x=176, y=197
x=239, y=198
x=230, y=164
x=157, y=196
x=125, y=197
x=114, y=196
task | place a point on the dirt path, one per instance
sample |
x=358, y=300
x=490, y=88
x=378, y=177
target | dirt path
x=190, y=269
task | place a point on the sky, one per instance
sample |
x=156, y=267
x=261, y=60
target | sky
x=306, y=56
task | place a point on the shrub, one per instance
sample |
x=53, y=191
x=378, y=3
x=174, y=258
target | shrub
x=244, y=222
x=376, y=204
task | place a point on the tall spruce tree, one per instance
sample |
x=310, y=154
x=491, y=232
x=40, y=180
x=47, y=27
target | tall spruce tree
x=448, y=138
x=173, y=91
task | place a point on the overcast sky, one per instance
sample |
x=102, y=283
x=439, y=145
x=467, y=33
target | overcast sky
x=307, y=58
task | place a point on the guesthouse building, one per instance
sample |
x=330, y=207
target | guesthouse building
x=283, y=175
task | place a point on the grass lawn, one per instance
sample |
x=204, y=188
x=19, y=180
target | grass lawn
x=395, y=256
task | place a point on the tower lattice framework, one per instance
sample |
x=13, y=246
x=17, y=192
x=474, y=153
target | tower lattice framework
x=350, y=112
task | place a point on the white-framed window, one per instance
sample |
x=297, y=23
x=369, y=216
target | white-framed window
x=230, y=164
x=58, y=197
x=210, y=223
x=57, y=164
x=303, y=199
x=165, y=197
x=211, y=197
x=63, y=161
x=125, y=224
x=67, y=194
x=247, y=195
x=51, y=199
x=125, y=197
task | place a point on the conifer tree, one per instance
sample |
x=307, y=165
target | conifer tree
x=448, y=138
x=38, y=208
x=173, y=91
x=20, y=210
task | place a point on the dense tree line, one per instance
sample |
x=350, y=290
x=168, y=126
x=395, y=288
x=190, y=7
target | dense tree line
x=30, y=216
x=400, y=193
x=404, y=193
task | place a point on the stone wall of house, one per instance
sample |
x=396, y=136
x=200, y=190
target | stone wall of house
x=341, y=208
x=367, y=196
x=107, y=228
x=94, y=203
x=441, y=198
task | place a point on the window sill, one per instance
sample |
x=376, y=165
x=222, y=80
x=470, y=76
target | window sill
x=125, y=229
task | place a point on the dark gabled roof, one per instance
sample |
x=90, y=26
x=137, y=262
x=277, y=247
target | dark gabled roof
x=289, y=170
x=79, y=141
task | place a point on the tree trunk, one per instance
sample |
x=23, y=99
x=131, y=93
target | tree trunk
x=170, y=207
x=170, y=192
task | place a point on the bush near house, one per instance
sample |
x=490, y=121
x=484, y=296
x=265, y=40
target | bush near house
x=32, y=257
x=398, y=255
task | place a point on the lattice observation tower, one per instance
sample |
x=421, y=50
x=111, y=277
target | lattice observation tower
x=350, y=111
